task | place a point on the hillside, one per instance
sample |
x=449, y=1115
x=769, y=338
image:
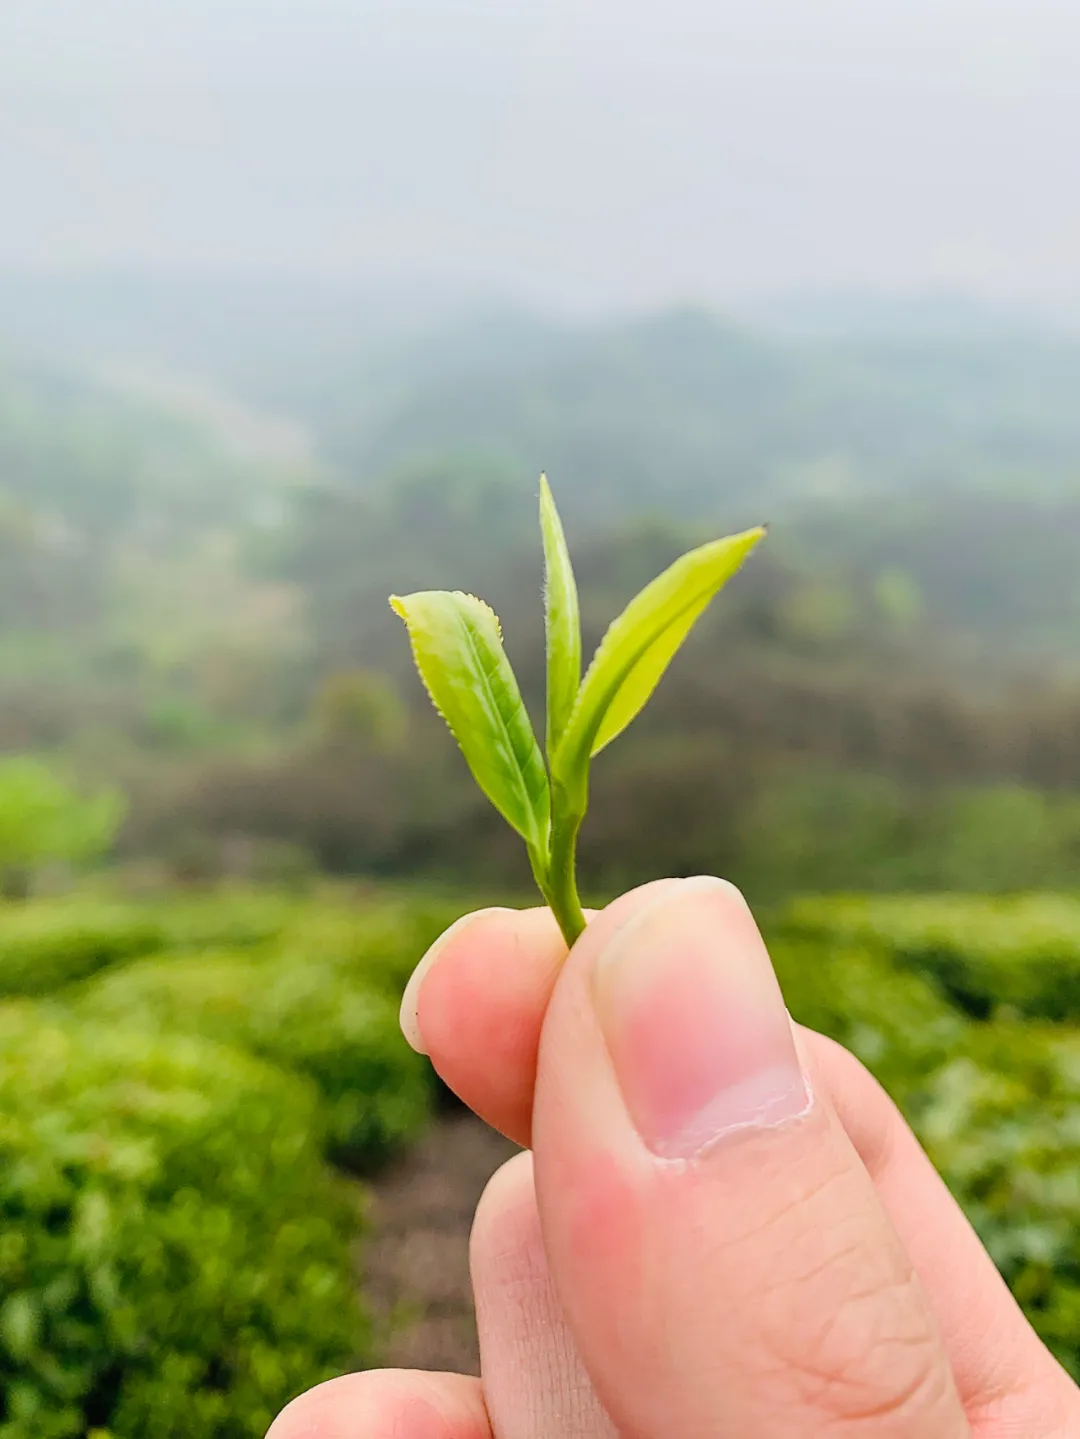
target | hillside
x=194, y=572
x=124, y=511
x=685, y=413
x=936, y=474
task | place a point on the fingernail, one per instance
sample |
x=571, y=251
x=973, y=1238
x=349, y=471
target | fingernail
x=410, y=1001
x=695, y=1023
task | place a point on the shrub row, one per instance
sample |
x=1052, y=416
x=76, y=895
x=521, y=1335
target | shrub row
x=162, y=1126
x=173, y=1252
x=1001, y=1122
x=312, y=985
x=45, y=945
x=997, y=1105
x=988, y=956
x=893, y=1021
x=310, y=1013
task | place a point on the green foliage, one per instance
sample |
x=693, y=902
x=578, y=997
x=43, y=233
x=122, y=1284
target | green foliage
x=357, y=706
x=377, y=942
x=311, y=984
x=640, y=645
x=43, y=820
x=562, y=621
x=45, y=944
x=317, y=1014
x=845, y=722
x=815, y=829
x=895, y=1023
x=173, y=1256
x=234, y=918
x=143, y=636
x=996, y=1105
x=457, y=646
x=988, y=955
x=48, y=943
x=898, y=597
x=1008, y=837
x=176, y=726
x=810, y=828
x=1001, y=1123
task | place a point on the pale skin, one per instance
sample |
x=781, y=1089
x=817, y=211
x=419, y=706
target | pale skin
x=722, y=1228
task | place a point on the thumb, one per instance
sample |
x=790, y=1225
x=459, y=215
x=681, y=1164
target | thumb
x=717, y=1245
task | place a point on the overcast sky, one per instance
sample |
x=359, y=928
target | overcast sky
x=579, y=152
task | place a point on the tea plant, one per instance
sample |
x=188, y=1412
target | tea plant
x=457, y=645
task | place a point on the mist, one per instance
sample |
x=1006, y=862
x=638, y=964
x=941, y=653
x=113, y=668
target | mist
x=581, y=156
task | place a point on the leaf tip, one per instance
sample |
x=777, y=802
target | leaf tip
x=397, y=604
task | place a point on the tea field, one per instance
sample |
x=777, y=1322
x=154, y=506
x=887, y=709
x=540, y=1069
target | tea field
x=182, y=1085
x=968, y=1011
x=190, y=1088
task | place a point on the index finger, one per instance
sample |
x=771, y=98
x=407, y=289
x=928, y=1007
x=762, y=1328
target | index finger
x=476, y=1005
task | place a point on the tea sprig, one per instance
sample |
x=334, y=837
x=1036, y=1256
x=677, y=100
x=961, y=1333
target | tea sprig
x=457, y=645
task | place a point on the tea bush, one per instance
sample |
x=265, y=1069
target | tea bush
x=242, y=918
x=47, y=944
x=317, y=1015
x=1001, y=1122
x=139, y=1104
x=988, y=956
x=996, y=1103
x=894, y=1022
x=378, y=942
x=173, y=1253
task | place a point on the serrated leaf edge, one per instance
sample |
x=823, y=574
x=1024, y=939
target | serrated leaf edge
x=397, y=605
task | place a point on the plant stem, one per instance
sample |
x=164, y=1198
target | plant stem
x=558, y=877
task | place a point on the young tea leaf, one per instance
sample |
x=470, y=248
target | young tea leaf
x=640, y=645
x=562, y=619
x=457, y=646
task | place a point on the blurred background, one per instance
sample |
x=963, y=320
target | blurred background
x=296, y=303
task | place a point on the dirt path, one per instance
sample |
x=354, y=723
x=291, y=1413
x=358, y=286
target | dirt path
x=416, y=1260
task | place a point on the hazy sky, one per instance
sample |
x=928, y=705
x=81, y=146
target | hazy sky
x=576, y=151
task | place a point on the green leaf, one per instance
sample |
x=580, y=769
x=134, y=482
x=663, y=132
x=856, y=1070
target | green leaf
x=562, y=619
x=640, y=645
x=457, y=646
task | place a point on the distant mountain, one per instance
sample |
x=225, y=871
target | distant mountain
x=932, y=439
x=690, y=417
x=932, y=315
x=684, y=415
x=121, y=455
x=206, y=321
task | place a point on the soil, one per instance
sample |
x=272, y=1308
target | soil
x=415, y=1262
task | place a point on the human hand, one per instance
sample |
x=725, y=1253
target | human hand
x=724, y=1226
